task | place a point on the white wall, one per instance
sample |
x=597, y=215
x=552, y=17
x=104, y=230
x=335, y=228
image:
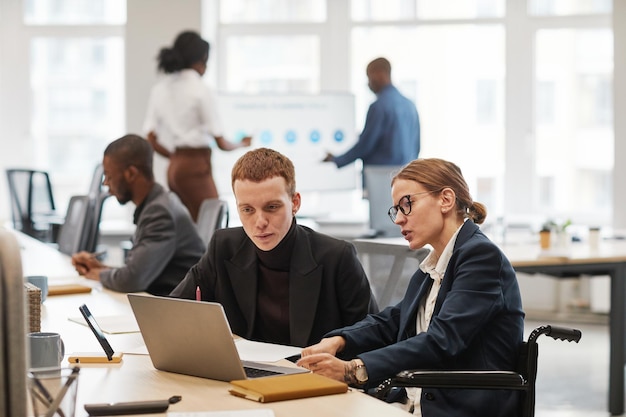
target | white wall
x=16, y=147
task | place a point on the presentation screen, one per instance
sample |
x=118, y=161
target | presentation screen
x=302, y=127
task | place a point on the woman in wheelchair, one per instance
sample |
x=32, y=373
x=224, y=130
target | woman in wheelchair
x=462, y=308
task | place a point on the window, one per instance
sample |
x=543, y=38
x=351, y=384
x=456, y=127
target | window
x=544, y=102
x=257, y=11
x=574, y=71
x=461, y=112
x=487, y=101
x=449, y=57
x=569, y=7
x=77, y=86
x=390, y=10
x=278, y=64
x=74, y=12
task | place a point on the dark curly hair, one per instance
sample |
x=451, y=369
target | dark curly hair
x=188, y=49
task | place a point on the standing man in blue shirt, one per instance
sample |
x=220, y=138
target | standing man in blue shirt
x=391, y=135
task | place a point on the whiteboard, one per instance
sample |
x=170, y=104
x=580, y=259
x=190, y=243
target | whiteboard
x=302, y=127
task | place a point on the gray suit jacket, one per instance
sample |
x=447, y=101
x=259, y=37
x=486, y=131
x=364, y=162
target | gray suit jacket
x=165, y=245
x=328, y=288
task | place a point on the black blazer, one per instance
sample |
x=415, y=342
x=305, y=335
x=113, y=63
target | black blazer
x=328, y=288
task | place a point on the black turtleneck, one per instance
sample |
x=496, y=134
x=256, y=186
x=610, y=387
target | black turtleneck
x=272, y=309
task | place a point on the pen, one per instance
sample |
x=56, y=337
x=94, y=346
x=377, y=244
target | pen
x=198, y=294
x=98, y=254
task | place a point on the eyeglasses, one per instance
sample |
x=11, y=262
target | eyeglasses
x=404, y=206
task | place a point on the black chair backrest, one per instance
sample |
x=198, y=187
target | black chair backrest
x=96, y=187
x=213, y=215
x=93, y=232
x=98, y=193
x=75, y=231
x=31, y=200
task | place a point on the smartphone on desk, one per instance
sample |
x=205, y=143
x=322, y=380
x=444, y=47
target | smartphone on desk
x=109, y=356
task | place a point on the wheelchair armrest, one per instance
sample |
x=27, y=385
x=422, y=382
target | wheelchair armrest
x=460, y=379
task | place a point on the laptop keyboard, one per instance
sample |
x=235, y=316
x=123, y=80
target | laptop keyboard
x=257, y=373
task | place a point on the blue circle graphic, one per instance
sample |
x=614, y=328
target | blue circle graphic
x=266, y=137
x=339, y=136
x=315, y=136
x=290, y=136
x=239, y=135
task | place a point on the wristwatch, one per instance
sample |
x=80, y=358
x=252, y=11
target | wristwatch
x=360, y=373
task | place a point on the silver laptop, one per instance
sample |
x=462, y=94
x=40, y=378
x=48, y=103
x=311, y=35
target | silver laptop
x=194, y=338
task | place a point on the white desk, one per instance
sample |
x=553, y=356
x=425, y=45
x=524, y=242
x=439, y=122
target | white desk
x=135, y=379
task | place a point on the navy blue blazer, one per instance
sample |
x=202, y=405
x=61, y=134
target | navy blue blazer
x=391, y=135
x=477, y=324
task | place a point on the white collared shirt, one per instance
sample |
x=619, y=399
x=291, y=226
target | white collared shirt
x=436, y=269
x=182, y=111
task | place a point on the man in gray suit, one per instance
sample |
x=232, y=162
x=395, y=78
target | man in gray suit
x=278, y=281
x=165, y=243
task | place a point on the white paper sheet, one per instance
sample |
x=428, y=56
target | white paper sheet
x=112, y=324
x=264, y=352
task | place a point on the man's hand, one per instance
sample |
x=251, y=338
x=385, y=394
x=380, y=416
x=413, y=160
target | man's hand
x=87, y=265
x=246, y=141
x=158, y=148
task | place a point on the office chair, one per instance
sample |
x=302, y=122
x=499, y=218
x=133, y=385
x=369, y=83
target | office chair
x=32, y=203
x=74, y=234
x=213, y=215
x=522, y=379
x=96, y=187
x=98, y=193
x=377, y=185
x=81, y=229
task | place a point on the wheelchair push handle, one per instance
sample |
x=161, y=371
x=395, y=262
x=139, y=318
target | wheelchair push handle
x=556, y=332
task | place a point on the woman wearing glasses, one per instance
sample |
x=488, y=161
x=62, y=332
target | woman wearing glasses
x=462, y=308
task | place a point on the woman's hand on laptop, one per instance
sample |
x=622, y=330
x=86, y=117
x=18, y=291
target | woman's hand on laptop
x=330, y=345
x=325, y=364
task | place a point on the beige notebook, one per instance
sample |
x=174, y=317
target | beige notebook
x=286, y=387
x=64, y=289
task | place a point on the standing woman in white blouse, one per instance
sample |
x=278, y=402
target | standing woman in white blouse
x=182, y=121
